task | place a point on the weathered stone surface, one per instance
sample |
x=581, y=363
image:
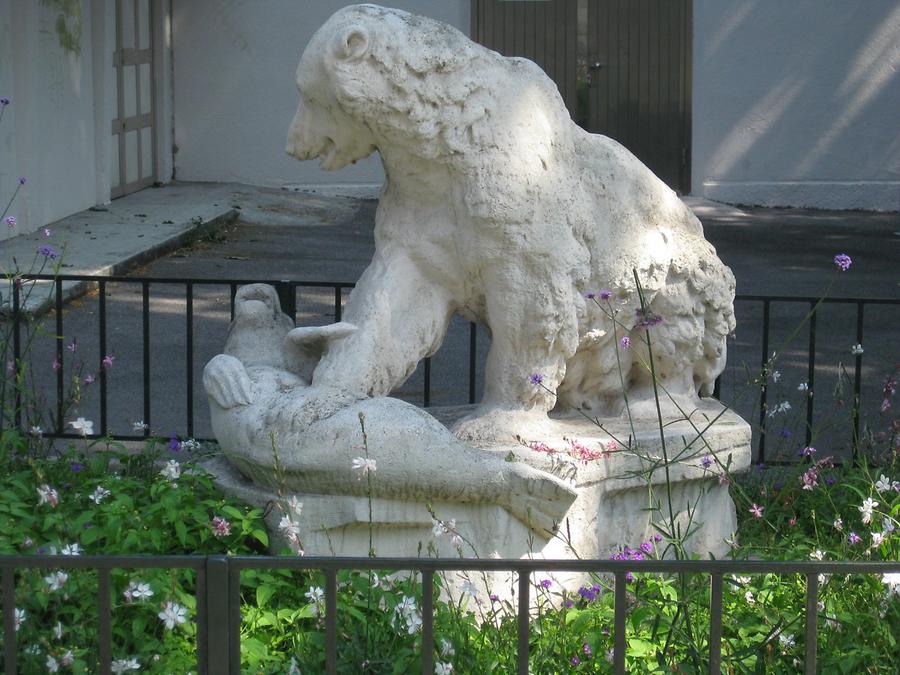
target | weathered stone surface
x=498, y=207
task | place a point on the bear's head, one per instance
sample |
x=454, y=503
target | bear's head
x=373, y=77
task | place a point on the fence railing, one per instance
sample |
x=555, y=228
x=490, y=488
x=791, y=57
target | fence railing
x=287, y=293
x=218, y=596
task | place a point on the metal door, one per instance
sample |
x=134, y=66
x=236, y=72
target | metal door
x=622, y=66
x=133, y=160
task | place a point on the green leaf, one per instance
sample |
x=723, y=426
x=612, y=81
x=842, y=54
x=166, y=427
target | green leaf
x=181, y=532
x=261, y=536
x=264, y=592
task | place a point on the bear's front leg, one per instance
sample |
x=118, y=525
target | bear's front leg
x=401, y=316
x=534, y=330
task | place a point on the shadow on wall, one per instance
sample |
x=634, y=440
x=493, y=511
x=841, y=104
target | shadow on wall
x=797, y=92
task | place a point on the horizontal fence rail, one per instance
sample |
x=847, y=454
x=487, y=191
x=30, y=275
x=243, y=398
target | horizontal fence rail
x=218, y=595
x=287, y=293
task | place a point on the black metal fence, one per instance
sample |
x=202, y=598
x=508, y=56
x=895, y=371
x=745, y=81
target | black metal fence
x=218, y=596
x=287, y=292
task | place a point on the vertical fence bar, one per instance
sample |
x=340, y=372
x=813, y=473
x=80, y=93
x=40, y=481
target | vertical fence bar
x=214, y=636
x=857, y=380
x=60, y=390
x=523, y=623
x=9, y=621
x=426, y=385
x=715, y=623
x=233, y=619
x=202, y=598
x=287, y=297
x=189, y=311
x=619, y=624
x=427, y=622
x=472, y=360
x=812, y=622
x=101, y=320
x=337, y=303
x=105, y=628
x=811, y=372
x=145, y=328
x=17, y=354
x=761, y=451
x=232, y=292
x=331, y=621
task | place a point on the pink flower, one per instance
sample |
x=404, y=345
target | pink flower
x=756, y=510
x=584, y=453
x=107, y=361
x=220, y=527
x=541, y=447
x=56, y=365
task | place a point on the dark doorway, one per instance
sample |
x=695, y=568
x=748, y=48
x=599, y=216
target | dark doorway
x=623, y=67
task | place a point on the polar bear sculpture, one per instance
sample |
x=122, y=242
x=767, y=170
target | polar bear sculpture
x=498, y=207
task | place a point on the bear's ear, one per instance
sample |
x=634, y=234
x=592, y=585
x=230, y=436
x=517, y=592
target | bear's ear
x=351, y=44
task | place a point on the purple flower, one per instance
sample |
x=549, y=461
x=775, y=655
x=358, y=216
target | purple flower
x=22, y=180
x=646, y=547
x=625, y=342
x=107, y=361
x=605, y=294
x=647, y=319
x=706, y=461
x=808, y=451
x=842, y=261
x=494, y=597
x=854, y=538
x=174, y=443
x=536, y=378
x=629, y=577
x=546, y=583
x=590, y=296
x=76, y=467
x=10, y=221
x=588, y=594
x=786, y=433
x=48, y=251
x=568, y=604
x=587, y=649
x=830, y=480
x=89, y=379
x=4, y=101
x=575, y=660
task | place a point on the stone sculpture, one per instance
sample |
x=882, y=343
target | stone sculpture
x=498, y=207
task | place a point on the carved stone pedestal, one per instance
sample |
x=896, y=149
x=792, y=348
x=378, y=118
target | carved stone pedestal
x=621, y=495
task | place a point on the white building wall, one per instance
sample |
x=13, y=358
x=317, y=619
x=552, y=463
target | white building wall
x=235, y=94
x=797, y=103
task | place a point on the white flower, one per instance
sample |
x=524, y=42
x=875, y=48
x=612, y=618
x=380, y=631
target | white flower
x=172, y=614
x=52, y=664
x=443, y=668
x=67, y=659
x=748, y=596
x=99, y=494
x=83, y=426
x=47, y=495
x=803, y=386
x=610, y=655
x=137, y=590
x=838, y=524
x=776, y=376
x=122, y=665
x=407, y=610
x=288, y=528
x=784, y=406
x=364, y=465
x=743, y=581
x=171, y=470
x=293, y=669
x=316, y=595
x=139, y=426
x=295, y=506
x=446, y=648
x=468, y=587
x=437, y=527
x=787, y=641
x=887, y=525
x=71, y=549
x=877, y=539
x=817, y=555
x=892, y=580
x=58, y=630
x=36, y=431
x=857, y=349
x=18, y=617
x=883, y=484
x=190, y=444
x=56, y=580
x=866, y=510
